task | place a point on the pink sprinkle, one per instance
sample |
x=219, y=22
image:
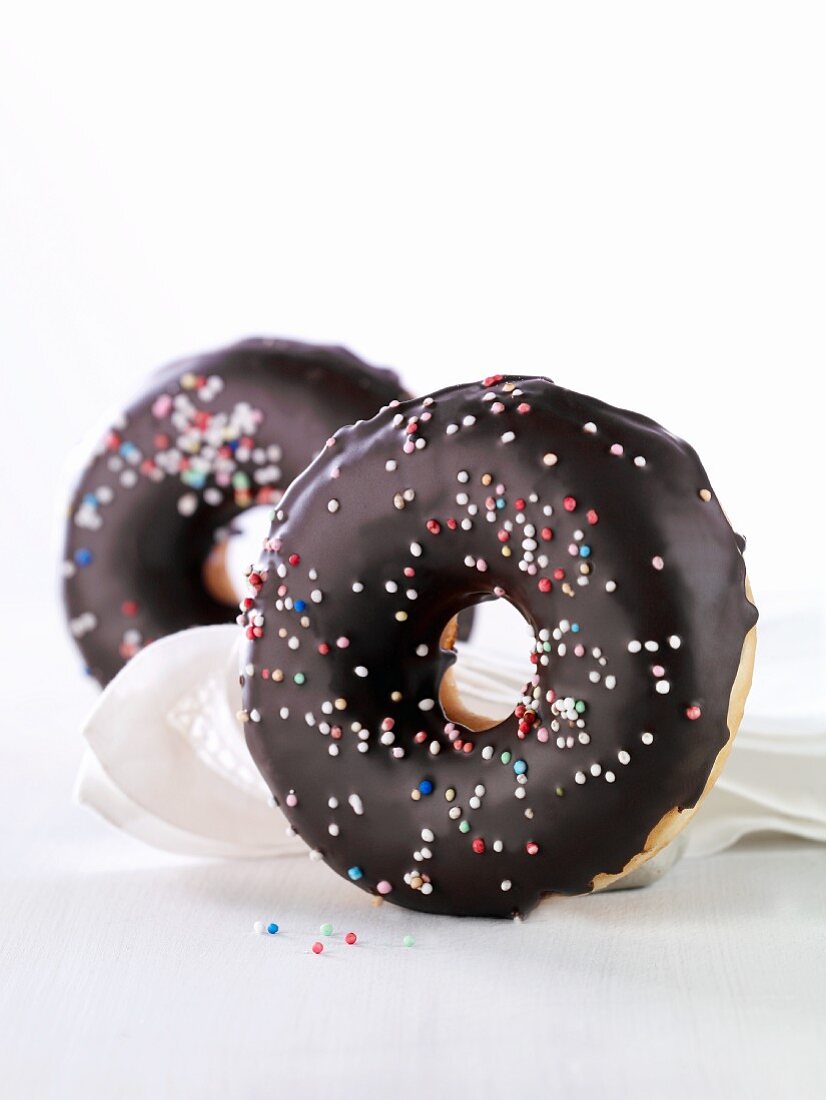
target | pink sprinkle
x=162, y=406
x=616, y=449
x=658, y=670
x=383, y=887
x=342, y=642
x=523, y=408
x=692, y=713
x=657, y=562
x=542, y=734
x=291, y=799
x=497, y=407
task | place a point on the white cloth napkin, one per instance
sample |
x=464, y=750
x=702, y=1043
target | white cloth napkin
x=166, y=759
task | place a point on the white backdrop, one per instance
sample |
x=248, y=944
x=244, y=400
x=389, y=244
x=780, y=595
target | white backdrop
x=628, y=197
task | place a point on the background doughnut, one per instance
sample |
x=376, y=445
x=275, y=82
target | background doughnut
x=209, y=437
x=602, y=529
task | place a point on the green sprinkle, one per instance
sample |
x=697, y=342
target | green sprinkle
x=579, y=706
x=505, y=757
x=299, y=677
x=326, y=929
x=408, y=941
x=464, y=826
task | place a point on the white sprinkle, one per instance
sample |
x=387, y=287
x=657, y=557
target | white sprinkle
x=596, y=769
x=415, y=549
x=474, y=802
x=550, y=459
x=646, y=738
x=663, y=687
x=634, y=647
x=610, y=682
x=609, y=777
x=360, y=670
x=468, y=421
x=505, y=885
x=332, y=829
x=652, y=647
x=316, y=595
x=358, y=586
x=624, y=757
x=258, y=927
x=610, y=586
x=333, y=749
x=356, y=804
x=426, y=704
x=463, y=476
x=675, y=641
x=508, y=437
x=421, y=650
x=427, y=835
x=639, y=461
x=451, y=429
x=390, y=465
x=579, y=777
x=332, y=802
x=590, y=427
x=391, y=586
x=487, y=752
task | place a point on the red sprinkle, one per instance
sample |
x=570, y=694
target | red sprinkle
x=523, y=408
x=294, y=559
x=532, y=848
x=519, y=505
x=433, y=526
x=569, y=503
x=129, y=607
x=592, y=516
x=350, y=938
x=692, y=713
x=559, y=574
x=544, y=584
x=478, y=845
x=547, y=534
x=323, y=649
x=318, y=948
x=492, y=379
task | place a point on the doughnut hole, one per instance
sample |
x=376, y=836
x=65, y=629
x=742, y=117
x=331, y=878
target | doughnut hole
x=481, y=698
x=235, y=548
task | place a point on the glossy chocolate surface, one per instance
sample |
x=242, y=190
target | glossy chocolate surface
x=601, y=528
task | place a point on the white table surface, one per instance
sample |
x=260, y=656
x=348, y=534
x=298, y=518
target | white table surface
x=125, y=972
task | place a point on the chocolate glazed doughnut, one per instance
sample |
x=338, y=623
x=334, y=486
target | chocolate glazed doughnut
x=600, y=527
x=209, y=437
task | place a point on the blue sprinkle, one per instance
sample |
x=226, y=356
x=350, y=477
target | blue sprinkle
x=128, y=448
x=520, y=767
x=355, y=873
x=575, y=628
x=90, y=498
x=83, y=557
x=500, y=503
x=299, y=605
x=426, y=787
x=585, y=551
x=272, y=929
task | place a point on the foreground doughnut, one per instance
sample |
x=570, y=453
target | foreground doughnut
x=601, y=529
x=209, y=437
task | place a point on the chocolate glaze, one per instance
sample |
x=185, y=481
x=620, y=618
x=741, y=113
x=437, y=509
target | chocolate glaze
x=648, y=557
x=148, y=507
